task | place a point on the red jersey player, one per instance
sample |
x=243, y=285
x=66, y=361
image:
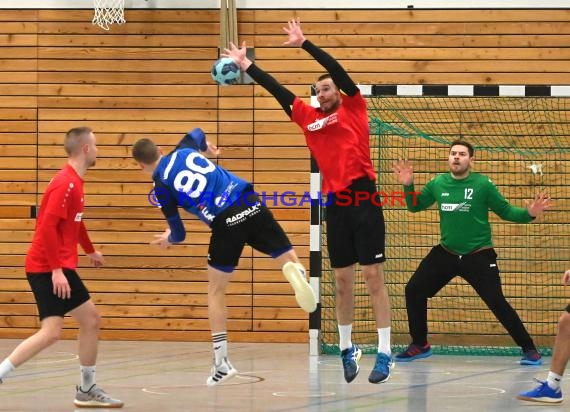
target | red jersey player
x=50, y=268
x=337, y=134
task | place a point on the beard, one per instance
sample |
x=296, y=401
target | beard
x=458, y=170
x=330, y=106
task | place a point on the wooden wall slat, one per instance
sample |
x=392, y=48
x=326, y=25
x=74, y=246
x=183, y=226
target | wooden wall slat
x=115, y=40
x=161, y=102
x=18, y=40
x=279, y=17
x=450, y=28
x=151, y=16
x=427, y=40
x=126, y=90
x=125, y=53
x=156, y=115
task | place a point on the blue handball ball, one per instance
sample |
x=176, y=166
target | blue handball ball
x=225, y=71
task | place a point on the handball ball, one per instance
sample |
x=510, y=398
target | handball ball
x=225, y=71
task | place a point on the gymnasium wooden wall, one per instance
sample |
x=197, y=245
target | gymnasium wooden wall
x=150, y=77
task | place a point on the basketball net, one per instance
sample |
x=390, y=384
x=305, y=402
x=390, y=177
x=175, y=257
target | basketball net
x=108, y=12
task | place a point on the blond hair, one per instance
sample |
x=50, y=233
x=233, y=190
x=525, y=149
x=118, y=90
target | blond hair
x=74, y=138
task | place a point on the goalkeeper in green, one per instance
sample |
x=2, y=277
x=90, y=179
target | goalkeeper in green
x=466, y=248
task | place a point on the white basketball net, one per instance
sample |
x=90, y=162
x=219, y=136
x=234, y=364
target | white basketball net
x=108, y=12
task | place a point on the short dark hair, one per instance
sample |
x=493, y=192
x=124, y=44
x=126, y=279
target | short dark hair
x=74, y=139
x=145, y=151
x=462, y=142
x=323, y=77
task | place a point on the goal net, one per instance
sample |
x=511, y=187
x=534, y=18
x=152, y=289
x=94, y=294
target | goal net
x=523, y=145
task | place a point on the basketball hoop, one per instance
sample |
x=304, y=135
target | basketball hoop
x=108, y=12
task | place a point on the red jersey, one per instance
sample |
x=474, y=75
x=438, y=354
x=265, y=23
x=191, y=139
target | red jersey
x=339, y=142
x=59, y=227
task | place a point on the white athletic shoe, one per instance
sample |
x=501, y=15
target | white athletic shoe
x=95, y=397
x=221, y=373
x=295, y=274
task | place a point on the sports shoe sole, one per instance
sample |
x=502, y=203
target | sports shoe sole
x=413, y=358
x=526, y=362
x=539, y=400
x=303, y=290
x=95, y=404
x=211, y=382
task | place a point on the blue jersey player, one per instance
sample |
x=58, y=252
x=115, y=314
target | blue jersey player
x=187, y=179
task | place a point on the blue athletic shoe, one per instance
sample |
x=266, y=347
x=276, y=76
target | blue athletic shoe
x=414, y=352
x=350, y=358
x=542, y=393
x=381, y=371
x=531, y=357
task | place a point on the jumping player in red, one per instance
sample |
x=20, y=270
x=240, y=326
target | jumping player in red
x=337, y=134
x=50, y=268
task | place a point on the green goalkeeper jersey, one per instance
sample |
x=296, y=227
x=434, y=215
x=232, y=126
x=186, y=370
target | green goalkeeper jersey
x=464, y=209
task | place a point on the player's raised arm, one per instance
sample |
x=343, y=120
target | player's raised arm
x=338, y=74
x=284, y=96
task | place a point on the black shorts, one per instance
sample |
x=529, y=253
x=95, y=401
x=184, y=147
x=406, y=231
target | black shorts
x=355, y=225
x=50, y=304
x=247, y=222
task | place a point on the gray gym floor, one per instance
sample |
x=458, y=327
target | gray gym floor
x=171, y=376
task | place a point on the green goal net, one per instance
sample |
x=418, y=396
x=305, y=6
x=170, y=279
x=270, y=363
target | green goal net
x=523, y=145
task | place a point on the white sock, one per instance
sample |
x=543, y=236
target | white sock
x=345, y=336
x=384, y=341
x=87, y=377
x=5, y=368
x=220, y=345
x=553, y=380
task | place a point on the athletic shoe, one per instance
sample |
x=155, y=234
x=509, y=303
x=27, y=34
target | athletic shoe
x=542, y=393
x=414, y=352
x=295, y=274
x=381, y=371
x=95, y=397
x=350, y=358
x=221, y=373
x=531, y=357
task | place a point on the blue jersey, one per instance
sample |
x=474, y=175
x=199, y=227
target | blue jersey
x=185, y=178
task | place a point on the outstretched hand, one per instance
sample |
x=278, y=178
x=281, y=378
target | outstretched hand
x=237, y=54
x=212, y=149
x=404, y=172
x=540, y=203
x=294, y=32
x=162, y=240
x=566, y=278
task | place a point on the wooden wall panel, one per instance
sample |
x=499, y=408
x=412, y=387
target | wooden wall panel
x=150, y=77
